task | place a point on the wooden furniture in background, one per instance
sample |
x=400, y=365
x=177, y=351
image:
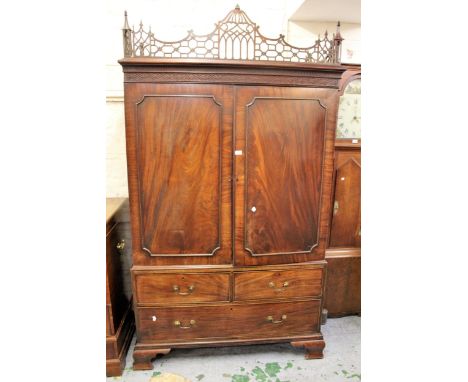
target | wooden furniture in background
x=343, y=287
x=230, y=166
x=119, y=315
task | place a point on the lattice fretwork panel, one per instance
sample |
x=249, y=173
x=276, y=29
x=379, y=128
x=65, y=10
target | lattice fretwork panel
x=236, y=37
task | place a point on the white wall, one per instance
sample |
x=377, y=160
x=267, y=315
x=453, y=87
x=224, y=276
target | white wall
x=304, y=33
x=170, y=20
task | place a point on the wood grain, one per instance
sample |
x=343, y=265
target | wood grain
x=228, y=321
x=179, y=156
x=343, y=288
x=346, y=218
x=271, y=285
x=284, y=154
x=158, y=288
x=287, y=136
x=179, y=152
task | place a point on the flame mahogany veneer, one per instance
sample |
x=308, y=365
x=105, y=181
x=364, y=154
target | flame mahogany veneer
x=230, y=168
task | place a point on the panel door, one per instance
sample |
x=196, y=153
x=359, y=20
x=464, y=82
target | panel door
x=346, y=216
x=282, y=166
x=179, y=141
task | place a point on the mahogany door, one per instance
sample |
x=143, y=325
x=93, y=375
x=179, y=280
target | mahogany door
x=282, y=166
x=346, y=219
x=179, y=140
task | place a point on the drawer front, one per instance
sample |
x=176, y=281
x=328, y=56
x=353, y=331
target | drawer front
x=181, y=288
x=229, y=321
x=278, y=284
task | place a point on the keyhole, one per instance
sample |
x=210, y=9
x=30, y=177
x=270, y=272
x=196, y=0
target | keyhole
x=154, y=318
x=253, y=209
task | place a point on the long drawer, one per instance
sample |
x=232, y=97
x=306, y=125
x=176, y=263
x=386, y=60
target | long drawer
x=228, y=321
x=181, y=288
x=258, y=285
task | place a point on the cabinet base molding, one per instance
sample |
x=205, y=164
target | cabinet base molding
x=118, y=344
x=314, y=348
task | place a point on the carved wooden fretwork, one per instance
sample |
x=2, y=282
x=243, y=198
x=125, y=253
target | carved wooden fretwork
x=235, y=37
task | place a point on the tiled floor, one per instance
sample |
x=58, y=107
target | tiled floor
x=262, y=363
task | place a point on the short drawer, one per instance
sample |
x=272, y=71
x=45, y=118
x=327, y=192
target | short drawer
x=260, y=285
x=181, y=288
x=228, y=321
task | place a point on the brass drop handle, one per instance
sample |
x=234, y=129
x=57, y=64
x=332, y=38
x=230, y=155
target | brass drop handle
x=180, y=326
x=120, y=245
x=190, y=289
x=271, y=284
x=336, y=206
x=283, y=318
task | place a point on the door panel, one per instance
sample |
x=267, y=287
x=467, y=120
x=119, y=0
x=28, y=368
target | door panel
x=279, y=174
x=284, y=144
x=346, y=219
x=180, y=173
x=183, y=167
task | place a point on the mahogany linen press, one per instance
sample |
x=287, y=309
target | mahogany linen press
x=230, y=142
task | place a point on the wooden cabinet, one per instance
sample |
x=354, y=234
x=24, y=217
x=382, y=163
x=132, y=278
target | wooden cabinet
x=119, y=315
x=343, y=288
x=230, y=166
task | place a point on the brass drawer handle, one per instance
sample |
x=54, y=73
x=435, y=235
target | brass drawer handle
x=283, y=318
x=180, y=326
x=271, y=284
x=120, y=245
x=190, y=289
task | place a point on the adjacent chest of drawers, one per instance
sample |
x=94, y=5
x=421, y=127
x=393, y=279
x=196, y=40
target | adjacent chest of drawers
x=119, y=315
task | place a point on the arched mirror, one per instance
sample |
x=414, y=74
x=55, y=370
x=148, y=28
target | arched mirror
x=349, y=112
